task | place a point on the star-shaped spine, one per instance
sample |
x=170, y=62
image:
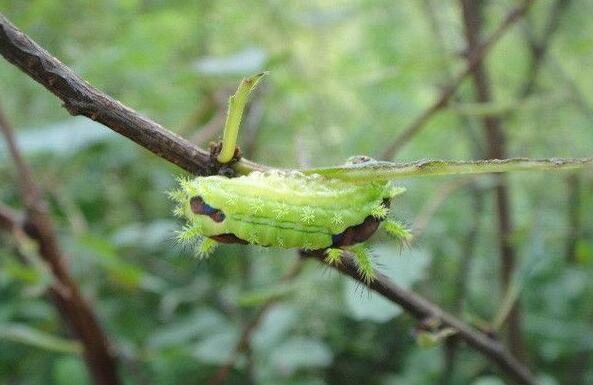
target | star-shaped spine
x=281, y=210
x=337, y=219
x=307, y=216
x=257, y=206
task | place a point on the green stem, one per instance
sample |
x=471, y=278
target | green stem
x=235, y=110
x=383, y=171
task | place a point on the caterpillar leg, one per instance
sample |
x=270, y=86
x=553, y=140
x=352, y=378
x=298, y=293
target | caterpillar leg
x=397, y=230
x=205, y=247
x=362, y=256
x=364, y=261
x=333, y=255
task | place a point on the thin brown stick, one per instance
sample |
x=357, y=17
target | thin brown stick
x=421, y=309
x=475, y=56
x=8, y=219
x=496, y=148
x=80, y=98
x=73, y=308
x=183, y=155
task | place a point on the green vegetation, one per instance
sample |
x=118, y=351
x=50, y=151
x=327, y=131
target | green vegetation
x=345, y=78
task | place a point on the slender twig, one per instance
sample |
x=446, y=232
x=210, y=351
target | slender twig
x=421, y=309
x=375, y=171
x=496, y=148
x=80, y=98
x=475, y=56
x=73, y=308
x=8, y=219
x=237, y=103
x=187, y=156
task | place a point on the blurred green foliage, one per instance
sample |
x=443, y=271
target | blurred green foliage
x=346, y=76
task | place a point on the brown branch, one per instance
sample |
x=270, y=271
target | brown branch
x=421, y=309
x=73, y=308
x=80, y=98
x=8, y=219
x=41, y=66
x=475, y=56
x=496, y=142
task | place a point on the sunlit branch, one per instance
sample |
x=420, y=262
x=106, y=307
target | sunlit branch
x=380, y=171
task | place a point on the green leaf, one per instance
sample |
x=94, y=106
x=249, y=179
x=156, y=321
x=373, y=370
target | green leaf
x=30, y=336
x=216, y=348
x=489, y=380
x=187, y=330
x=70, y=371
x=300, y=352
x=248, y=61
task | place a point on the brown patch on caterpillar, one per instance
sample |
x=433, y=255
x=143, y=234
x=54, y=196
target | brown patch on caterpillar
x=199, y=207
x=361, y=232
x=228, y=238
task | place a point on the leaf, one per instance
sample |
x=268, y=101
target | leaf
x=248, y=61
x=257, y=297
x=274, y=327
x=488, y=380
x=145, y=235
x=188, y=329
x=300, y=352
x=70, y=371
x=216, y=348
x=122, y=271
x=30, y=336
x=403, y=267
x=62, y=138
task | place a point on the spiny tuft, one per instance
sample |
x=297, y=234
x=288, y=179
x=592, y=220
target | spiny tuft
x=205, y=248
x=333, y=256
x=395, y=191
x=365, y=263
x=189, y=232
x=379, y=211
x=397, y=230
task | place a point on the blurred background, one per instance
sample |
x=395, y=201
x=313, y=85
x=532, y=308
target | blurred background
x=346, y=77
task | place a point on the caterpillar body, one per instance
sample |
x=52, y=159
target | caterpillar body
x=282, y=208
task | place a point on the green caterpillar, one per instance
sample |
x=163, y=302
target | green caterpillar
x=287, y=209
x=327, y=209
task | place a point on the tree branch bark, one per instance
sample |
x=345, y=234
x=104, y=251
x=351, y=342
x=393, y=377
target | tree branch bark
x=80, y=98
x=421, y=309
x=73, y=308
